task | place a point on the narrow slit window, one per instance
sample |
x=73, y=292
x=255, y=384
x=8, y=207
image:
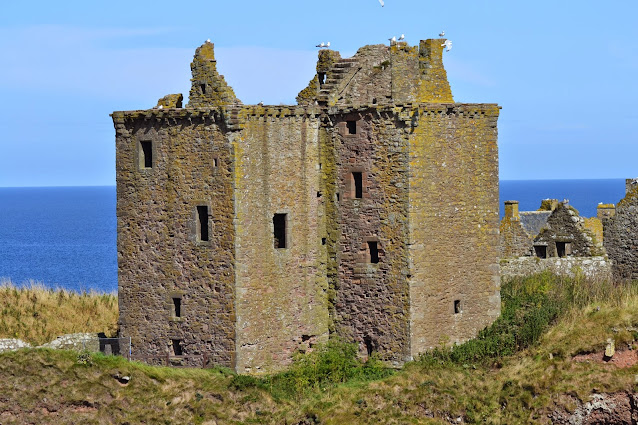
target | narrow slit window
x=146, y=154
x=322, y=78
x=215, y=162
x=202, y=222
x=177, y=307
x=457, y=307
x=357, y=182
x=177, y=347
x=203, y=88
x=373, y=250
x=279, y=227
x=369, y=345
x=351, y=126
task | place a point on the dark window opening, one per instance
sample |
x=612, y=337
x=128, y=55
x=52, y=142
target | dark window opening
x=214, y=162
x=203, y=88
x=457, y=306
x=338, y=197
x=322, y=78
x=357, y=180
x=279, y=226
x=202, y=222
x=319, y=194
x=541, y=251
x=561, y=249
x=177, y=307
x=177, y=347
x=147, y=154
x=374, y=252
x=323, y=241
x=352, y=127
x=369, y=345
x=374, y=100
x=320, y=165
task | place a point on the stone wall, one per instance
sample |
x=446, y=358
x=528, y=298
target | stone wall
x=453, y=223
x=281, y=291
x=598, y=268
x=161, y=257
x=372, y=304
x=621, y=234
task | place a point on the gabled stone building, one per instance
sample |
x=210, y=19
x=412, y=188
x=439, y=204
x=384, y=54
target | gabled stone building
x=367, y=211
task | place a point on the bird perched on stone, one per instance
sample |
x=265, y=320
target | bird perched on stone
x=328, y=44
x=208, y=40
x=393, y=40
x=447, y=45
x=402, y=37
x=442, y=34
x=160, y=107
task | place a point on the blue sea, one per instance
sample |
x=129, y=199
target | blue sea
x=66, y=236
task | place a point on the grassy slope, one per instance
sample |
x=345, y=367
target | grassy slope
x=37, y=315
x=43, y=386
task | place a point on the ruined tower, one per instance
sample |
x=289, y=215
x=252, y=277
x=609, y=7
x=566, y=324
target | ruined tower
x=368, y=211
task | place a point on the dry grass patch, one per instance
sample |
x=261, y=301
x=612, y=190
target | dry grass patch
x=36, y=314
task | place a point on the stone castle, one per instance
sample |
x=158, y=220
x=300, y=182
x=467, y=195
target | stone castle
x=368, y=211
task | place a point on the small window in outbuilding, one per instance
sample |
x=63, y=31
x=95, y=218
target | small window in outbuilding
x=146, y=154
x=457, y=307
x=563, y=249
x=357, y=183
x=177, y=307
x=351, y=126
x=540, y=251
x=279, y=230
x=202, y=222
x=373, y=250
x=177, y=347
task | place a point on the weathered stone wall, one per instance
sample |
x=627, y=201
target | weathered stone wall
x=453, y=223
x=621, y=235
x=281, y=292
x=592, y=267
x=160, y=255
x=372, y=304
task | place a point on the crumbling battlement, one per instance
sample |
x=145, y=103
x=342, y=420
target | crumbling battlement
x=367, y=211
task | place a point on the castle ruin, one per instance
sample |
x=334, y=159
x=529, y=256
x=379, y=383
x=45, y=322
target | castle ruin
x=367, y=211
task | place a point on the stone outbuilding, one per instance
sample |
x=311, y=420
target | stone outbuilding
x=368, y=211
x=620, y=228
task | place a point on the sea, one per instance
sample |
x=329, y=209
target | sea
x=66, y=236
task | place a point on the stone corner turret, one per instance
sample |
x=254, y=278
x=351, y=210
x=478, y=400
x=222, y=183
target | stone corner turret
x=208, y=87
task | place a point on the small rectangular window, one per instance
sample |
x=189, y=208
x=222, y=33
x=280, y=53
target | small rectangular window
x=215, y=162
x=540, y=251
x=177, y=346
x=202, y=222
x=279, y=227
x=357, y=183
x=177, y=307
x=457, y=306
x=563, y=249
x=146, y=154
x=352, y=127
x=373, y=250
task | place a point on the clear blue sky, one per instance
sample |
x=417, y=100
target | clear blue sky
x=564, y=72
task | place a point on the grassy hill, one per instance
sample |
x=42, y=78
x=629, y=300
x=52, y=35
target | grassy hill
x=541, y=362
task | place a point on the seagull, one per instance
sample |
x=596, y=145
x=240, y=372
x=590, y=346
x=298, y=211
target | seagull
x=382, y=3
x=208, y=40
x=160, y=107
x=402, y=37
x=321, y=45
x=393, y=40
x=447, y=45
x=328, y=44
x=442, y=34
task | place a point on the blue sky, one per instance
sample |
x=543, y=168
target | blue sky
x=564, y=72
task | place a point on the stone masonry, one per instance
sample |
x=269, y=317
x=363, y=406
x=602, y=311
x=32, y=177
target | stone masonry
x=621, y=234
x=369, y=211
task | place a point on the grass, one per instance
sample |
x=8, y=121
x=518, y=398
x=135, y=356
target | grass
x=519, y=370
x=37, y=315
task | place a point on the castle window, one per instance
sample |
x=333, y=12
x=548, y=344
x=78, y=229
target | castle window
x=177, y=307
x=146, y=154
x=279, y=230
x=351, y=126
x=215, y=162
x=177, y=347
x=323, y=241
x=457, y=307
x=357, y=183
x=373, y=251
x=540, y=251
x=322, y=78
x=202, y=222
x=369, y=345
x=202, y=87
